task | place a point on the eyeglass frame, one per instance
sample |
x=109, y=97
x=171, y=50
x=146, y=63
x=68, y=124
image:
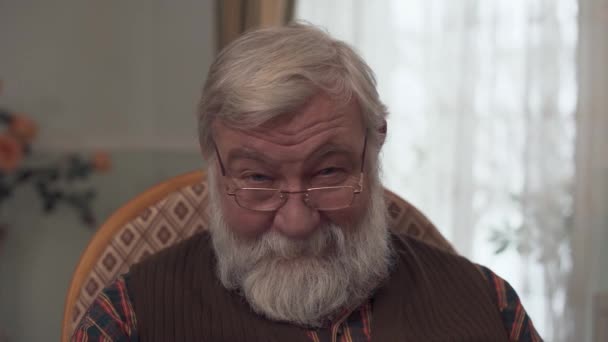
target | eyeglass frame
x=283, y=193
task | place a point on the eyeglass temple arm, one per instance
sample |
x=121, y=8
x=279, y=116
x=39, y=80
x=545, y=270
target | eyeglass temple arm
x=219, y=159
x=363, y=153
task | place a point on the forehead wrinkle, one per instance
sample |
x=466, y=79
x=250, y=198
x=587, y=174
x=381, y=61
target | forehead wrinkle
x=250, y=154
x=289, y=136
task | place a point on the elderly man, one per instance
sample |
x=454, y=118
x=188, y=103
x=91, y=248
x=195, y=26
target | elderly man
x=298, y=247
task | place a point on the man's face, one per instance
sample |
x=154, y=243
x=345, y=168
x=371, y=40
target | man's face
x=299, y=264
x=320, y=145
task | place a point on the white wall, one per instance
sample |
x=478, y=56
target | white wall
x=107, y=72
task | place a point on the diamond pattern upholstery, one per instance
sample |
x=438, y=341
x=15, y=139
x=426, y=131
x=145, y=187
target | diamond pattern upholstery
x=171, y=212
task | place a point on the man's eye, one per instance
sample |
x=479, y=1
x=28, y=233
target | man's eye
x=330, y=171
x=257, y=178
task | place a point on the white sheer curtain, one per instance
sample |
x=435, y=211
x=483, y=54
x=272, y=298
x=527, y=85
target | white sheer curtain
x=482, y=96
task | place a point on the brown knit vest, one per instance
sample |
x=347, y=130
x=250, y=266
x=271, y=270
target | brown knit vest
x=430, y=296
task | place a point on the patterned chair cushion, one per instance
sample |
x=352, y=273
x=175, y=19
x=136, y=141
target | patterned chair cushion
x=180, y=215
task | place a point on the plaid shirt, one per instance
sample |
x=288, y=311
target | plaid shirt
x=111, y=317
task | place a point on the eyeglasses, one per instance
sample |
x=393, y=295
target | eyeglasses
x=319, y=198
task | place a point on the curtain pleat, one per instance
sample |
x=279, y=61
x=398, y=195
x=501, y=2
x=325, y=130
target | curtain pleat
x=238, y=16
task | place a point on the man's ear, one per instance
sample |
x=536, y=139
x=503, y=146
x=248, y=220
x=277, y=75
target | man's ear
x=382, y=130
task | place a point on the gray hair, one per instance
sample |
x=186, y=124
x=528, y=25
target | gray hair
x=271, y=72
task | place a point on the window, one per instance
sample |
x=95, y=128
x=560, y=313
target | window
x=482, y=95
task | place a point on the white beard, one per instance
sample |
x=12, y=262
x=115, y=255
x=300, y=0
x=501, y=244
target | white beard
x=305, y=282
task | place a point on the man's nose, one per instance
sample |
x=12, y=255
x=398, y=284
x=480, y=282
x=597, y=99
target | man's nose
x=295, y=218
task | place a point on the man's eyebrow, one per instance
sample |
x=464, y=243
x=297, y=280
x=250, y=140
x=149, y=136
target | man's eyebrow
x=332, y=149
x=245, y=153
x=322, y=152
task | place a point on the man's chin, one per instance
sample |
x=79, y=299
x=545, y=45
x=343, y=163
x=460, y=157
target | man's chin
x=303, y=291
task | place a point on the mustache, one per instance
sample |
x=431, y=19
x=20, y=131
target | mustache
x=324, y=243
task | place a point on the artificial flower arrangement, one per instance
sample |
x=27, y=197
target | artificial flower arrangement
x=56, y=182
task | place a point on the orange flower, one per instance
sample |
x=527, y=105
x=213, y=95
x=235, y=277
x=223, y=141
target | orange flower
x=23, y=128
x=11, y=153
x=101, y=162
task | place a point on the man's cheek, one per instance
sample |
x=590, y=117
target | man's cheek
x=246, y=223
x=342, y=218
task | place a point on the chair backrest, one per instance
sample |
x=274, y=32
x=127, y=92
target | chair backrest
x=170, y=212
